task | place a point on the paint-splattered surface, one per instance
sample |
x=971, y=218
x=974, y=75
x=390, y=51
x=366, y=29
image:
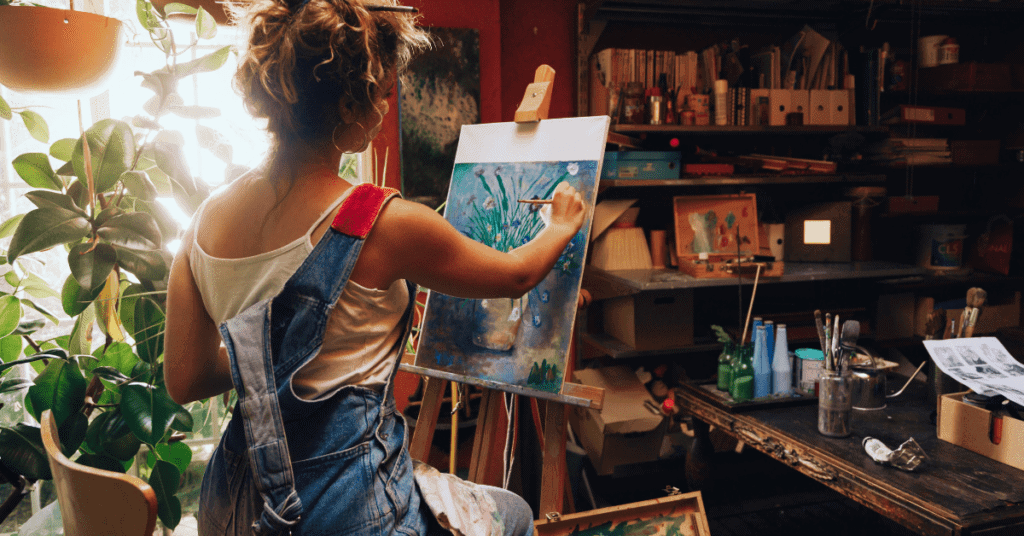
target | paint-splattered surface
x=525, y=341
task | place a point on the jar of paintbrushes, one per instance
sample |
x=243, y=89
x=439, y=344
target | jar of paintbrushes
x=835, y=386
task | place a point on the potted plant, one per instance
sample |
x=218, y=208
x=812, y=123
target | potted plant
x=95, y=196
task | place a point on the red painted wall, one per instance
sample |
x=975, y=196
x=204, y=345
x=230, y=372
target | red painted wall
x=516, y=36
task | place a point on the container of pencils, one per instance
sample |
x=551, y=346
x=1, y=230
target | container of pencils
x=835, y=403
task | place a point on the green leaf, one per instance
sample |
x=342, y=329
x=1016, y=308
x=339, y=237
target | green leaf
x=195, y=112
x=28, y=327
x=76, y=299
x=10, y=314
x=72, y=432
x=5, y=109
x=179, y=454
x=123, y=447
x=137, y=230
x=36, y=125
x=48, y=199
x=102, y=427
x=91, y=264
x=168, y=225
x=164, y=481
x=21, y=449
x=214, y=142
x=112, y=146
x=35, y=170
x=63, y=148
x=10, y=348
x=144, y=264
x=111, y=375
x=205, y=64
x=141, y=121
x=37, y=287
x=175, y=7
x=149, y=330
x=119, y=356
x=59, y=388
x=100, y=461
x=43, y=228
x=148, y=17
x=81, y=334
x=148, y=410
x=11, y=385
x=67, y=170
x=138, y=184
x=7, y=228
x=206, y=27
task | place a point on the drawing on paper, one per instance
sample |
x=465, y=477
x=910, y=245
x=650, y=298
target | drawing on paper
x=662, y=525
x=521, y=341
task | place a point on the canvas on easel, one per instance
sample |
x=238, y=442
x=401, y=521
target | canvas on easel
x=519, y=345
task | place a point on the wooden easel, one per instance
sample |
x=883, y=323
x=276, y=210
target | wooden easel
x=554, y=490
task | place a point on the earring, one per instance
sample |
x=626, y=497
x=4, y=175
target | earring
x=333, y=134
x=365, y=136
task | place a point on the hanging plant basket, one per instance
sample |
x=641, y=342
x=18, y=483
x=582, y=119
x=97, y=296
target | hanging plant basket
x=217, y=8
x=58, y=50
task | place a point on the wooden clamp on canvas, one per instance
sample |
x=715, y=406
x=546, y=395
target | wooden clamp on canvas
x=537, y=100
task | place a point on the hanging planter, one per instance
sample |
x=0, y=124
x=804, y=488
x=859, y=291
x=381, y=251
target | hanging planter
x=216, y=8
x=58, y=50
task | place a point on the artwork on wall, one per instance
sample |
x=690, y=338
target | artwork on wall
x=516, y=344
x=438, y=94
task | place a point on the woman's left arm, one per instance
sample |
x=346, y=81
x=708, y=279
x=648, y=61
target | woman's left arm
x=196, y=365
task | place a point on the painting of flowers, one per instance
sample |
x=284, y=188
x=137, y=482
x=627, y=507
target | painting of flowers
x=523, y=341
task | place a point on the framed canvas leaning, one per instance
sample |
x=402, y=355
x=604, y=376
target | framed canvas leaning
x=517, y=345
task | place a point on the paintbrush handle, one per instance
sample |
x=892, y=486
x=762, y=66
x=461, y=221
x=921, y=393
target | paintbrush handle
x=536, y=201
x=972, y=319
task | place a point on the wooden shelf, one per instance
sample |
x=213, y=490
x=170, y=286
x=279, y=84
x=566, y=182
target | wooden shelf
x=682, y=130
x=617, y=349
x=727, y=180
x=603, y=284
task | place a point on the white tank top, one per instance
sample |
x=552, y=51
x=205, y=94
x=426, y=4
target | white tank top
x=361, y=330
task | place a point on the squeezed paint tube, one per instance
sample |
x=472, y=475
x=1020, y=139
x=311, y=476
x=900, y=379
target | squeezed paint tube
x=907, y=457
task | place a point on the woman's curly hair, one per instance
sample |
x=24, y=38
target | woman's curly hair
x=304, y=57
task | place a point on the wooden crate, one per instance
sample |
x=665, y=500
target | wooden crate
x=707, y=241
x=681, y=515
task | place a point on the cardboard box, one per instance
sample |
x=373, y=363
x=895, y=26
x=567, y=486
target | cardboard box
x=654, y=320
x=1000, y=311
x=644, y=165
x=625, y=431
x=681, y=514
x=971, y=427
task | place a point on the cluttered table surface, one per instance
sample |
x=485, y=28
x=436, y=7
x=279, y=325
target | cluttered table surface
x=954, y=492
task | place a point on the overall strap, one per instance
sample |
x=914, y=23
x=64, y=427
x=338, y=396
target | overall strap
x=255, y=374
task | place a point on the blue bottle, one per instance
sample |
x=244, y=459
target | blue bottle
x=782, y=369
x=762, y=370
x=753, y=330
x=769, y=333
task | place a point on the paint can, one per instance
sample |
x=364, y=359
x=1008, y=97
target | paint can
x=941, y=246
x=811, y=365
x=928, y=50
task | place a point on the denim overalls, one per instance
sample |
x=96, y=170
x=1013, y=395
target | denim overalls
x=343, y=468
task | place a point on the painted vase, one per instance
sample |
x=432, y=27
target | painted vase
x=497, y=322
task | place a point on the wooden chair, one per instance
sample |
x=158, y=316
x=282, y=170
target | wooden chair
x=95, y=501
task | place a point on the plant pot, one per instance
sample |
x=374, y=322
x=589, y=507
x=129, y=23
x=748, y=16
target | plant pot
x=55, y=50
x=213, y=7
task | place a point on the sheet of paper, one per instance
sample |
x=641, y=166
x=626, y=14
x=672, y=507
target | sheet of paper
x=981, y=363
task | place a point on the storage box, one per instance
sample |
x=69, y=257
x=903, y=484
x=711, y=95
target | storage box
x=654, y=320
x=625, y=431
x=681, y=515
x=641, y=165
x=1001, y=310
x=973, y=428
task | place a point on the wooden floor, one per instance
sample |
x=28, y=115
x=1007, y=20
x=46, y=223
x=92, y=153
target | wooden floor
x=754, y=495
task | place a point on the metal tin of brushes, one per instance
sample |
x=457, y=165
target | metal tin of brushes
x=835, y=404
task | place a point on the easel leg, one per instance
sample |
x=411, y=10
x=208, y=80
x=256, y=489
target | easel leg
x=553, y=476
x=433, y=394
x=487, y=421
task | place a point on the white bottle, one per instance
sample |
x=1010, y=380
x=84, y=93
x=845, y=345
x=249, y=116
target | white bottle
x=782, y=369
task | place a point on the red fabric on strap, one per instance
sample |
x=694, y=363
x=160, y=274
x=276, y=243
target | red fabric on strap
x=359, y=210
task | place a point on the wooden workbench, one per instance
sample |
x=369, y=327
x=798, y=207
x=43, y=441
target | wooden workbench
x=955, y=492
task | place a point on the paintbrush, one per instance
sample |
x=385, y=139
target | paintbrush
x=819, y=323
x=851, y=332
x=980, y=296
x=536, y=201
x=966, y=313
x=935, y=324
x=827, y=349
x=835, y=343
